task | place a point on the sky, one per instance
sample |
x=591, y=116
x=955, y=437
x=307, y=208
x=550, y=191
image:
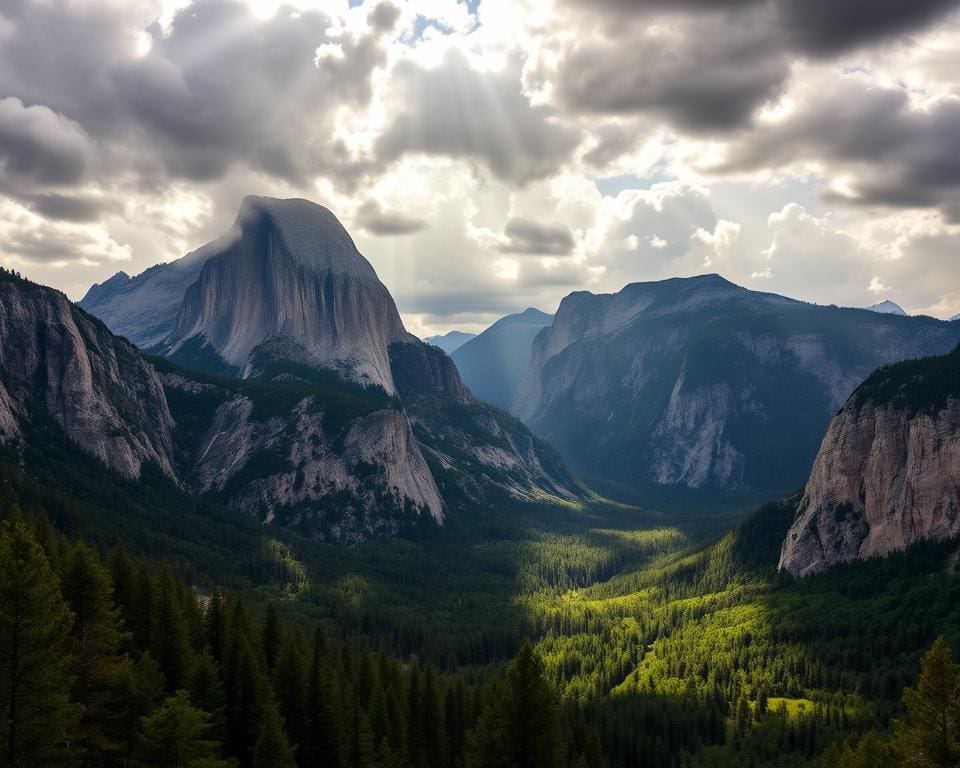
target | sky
x=493, y=155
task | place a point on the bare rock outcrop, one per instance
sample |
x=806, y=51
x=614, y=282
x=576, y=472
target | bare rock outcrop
x=888, y=471
x=57, y=361
x=292, y=271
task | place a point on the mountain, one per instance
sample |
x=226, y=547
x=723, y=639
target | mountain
x=888, y=471
x=299, y=398
x=887, y=307
x=144, y=308
x=700, y=384
x=493, y=363
x=955, y=317
x=450, y=341
x=58, y=362
x=290, y=272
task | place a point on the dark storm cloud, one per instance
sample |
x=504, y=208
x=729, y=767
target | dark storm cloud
x=72, y=207
x=825, y=27
x=696, y=77
x=715, y=62
x=815, y=26
x=457, y=111
x=219, y=87
x=532, y=237
x=41, y=147
x=895, y=155
x=374, y=219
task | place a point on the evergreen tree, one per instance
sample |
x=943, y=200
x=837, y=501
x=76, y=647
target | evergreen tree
x=36, y=718
x=289, y=684
x=323, y=744
x=215, y=626
x=272, y=749
x=177, y=735
x=520, y=725
x=170, y=640
x=101, y=674
x=271, y=638
x=930, y=737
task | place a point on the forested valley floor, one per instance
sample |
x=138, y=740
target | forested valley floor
x=166, y=631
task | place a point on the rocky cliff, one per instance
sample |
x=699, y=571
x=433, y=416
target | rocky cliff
x=888, y=471
x=58, y=362
x=292, y=272
x=144, y=308
x=283, y=372
x=338, y=465
x=701, y=384
x=477, y=450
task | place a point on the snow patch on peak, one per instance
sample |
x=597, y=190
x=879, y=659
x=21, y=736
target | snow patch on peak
x=887, y=307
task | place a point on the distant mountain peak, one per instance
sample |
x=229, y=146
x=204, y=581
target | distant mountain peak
x=450, y=341
x=887, y=307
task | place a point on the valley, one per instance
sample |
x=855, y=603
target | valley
x=347, y=485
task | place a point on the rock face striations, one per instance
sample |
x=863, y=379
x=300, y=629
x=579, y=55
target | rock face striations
x=888, y=471
x=701, y=384
x=291, y=272
x=300, y=398
x=58, y=362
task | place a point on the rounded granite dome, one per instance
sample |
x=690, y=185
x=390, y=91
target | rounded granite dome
x=310, y=233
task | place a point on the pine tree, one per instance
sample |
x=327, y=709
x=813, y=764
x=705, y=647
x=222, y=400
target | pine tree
x=101, y=674
x=170, y=640
x=177, y=735
x=215, y=626
x=272, y=749
x=289, y=684
x=36, y=718
x=931, y=735
x=520, y=724
x=323, y=745
x=271, y=639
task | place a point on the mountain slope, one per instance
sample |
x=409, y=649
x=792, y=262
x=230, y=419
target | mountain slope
x=59, y=360
x=701, y=384
x=144, y=308
x=493, y=363
x=283, y=389
x=888, y=471
x=450, y=341
x=475, y=448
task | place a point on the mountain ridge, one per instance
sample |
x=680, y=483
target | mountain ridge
x=699, y=384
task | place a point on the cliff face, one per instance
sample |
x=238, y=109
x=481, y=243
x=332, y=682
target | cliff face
x=56, y=359
x=700, y=384
x=144, y=308
x=888, y=471
x=338, y=467
x=474, y=447
x=293, y=272
x=331, y=417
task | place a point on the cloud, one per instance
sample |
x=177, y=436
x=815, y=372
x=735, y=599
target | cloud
x=26, y=238
x=531, y=237
x=690, y=72
x=455, y=110
x=876, y=145
x=39, y=146
x=378, y=221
